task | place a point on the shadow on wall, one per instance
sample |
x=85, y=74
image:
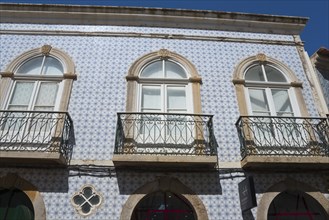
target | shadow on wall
x=247, y=215
x=276, y=182
x=42, y=180
x=198, y=183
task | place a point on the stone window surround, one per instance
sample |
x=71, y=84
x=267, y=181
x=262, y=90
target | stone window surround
x=134, y=71
x=164, y=183
x=12, y=180
x=239, y=82
x=69, y=73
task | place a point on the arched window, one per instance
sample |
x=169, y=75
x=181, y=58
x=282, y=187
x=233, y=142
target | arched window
x=29, y=92
x=163, y=107
x=34, y=95
x=267, y=87
x=15, y=205
x=269, y=92
x=164, y=87
x=291, y=205
x=272, y=109
x=163, y=205
x=165, y=82
x=38, y=80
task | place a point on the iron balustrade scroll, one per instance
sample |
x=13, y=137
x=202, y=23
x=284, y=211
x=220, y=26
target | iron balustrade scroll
x=165, y=134
x=283, y=136
x=36, y=131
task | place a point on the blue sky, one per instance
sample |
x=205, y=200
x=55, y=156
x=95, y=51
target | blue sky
x=315, y=35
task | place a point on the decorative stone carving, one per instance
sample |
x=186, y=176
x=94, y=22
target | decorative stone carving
x=164, y=53
x=261, y=57
x=45, y=49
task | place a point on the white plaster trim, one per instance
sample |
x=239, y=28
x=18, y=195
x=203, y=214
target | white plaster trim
x=151, y=35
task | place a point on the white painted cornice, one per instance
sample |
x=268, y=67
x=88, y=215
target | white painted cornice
x=150, y=17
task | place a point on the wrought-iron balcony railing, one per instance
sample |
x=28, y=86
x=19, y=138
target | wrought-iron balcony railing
x=288, y=136
x=165, y=134
x=36, y=131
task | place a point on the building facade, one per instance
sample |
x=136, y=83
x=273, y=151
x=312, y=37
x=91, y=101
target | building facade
x=320, y=62
x=139, y=113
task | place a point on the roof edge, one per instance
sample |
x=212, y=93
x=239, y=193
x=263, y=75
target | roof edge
x=150, y=17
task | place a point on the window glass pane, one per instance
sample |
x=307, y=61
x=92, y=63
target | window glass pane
x=152, y=201
x=153, y=70
x=176, y=98
x=151, y=97
x=258, y=101
x=78, y=199
x=32, y=66
x=21, y=95
x=174, y=202
x=95, y=200
x=46, y=95
x=255, y=73
x=85, y=208
x=281, y=101
x=52, y=67
x=87, y=192
x=174, y=70
x=274, y=75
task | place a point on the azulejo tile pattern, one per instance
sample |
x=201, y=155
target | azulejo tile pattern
x=102, y=63
x=219, y=192
x=324, y=82
x=127, y=29
x=100, y=92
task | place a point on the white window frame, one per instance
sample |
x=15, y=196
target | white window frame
x=9, y=76
x=269, y=97
x=164, y=83
x=268, y=86
x=35, y=91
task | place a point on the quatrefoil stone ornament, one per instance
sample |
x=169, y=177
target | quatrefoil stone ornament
x=87, y=200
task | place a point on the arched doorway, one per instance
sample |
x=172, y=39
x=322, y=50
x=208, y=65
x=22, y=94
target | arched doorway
x=13, y=186
x=293, y=204
x=163, y=187
x=15, y=205
x=163, y=206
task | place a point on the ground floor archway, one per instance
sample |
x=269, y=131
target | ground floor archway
x=15, y=205
x=291, y=199
x=18, y=192
x=150, y=200
x=295, y=205
x=162, y=205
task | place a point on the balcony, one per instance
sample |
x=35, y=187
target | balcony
x=35, y=138
x=283, y=142
x=176, y=140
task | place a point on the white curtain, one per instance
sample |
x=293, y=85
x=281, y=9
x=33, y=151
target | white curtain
x=21, y=96
x=258, y=100
x=46, y=96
